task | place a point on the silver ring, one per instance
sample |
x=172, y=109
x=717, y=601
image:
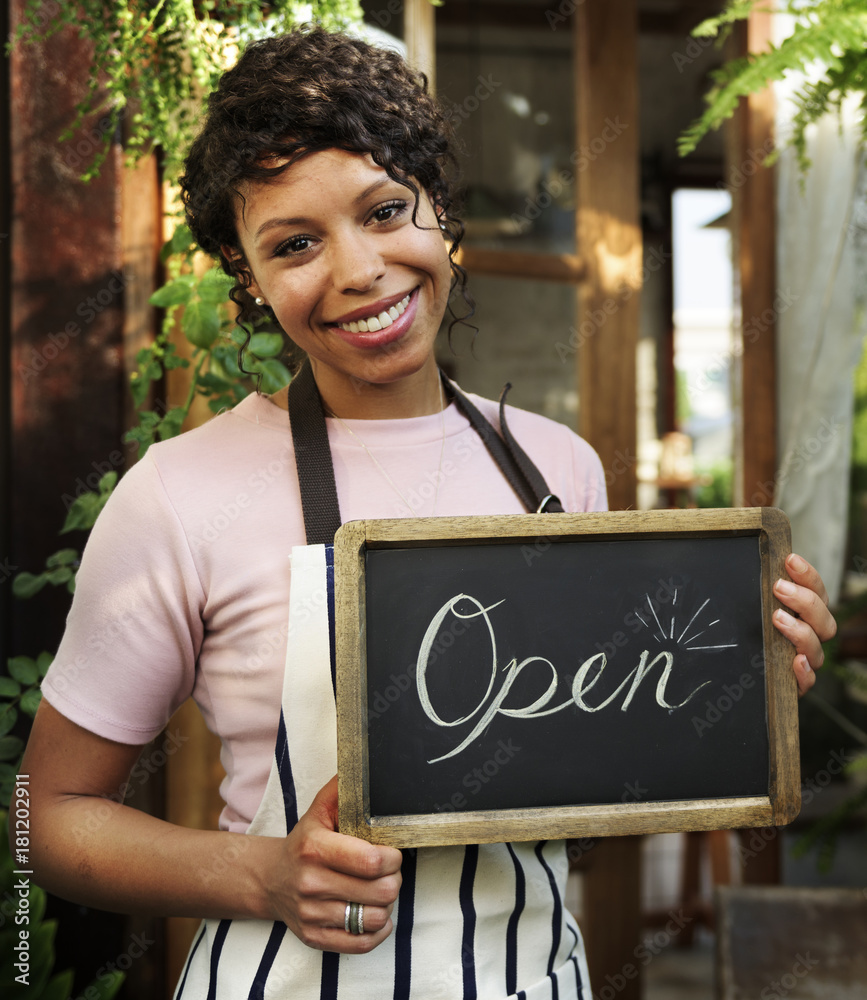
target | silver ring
x=346, y=917
x=354, y=918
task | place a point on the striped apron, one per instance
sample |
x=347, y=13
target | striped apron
x=481, y=922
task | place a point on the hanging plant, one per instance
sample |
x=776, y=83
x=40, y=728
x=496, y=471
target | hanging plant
x=157, y=58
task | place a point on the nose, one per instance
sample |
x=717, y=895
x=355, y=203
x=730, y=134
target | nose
x=356, y=261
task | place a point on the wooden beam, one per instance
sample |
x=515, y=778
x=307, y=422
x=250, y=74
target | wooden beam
x=609, y=236
x=753, y=188
x=563, y=267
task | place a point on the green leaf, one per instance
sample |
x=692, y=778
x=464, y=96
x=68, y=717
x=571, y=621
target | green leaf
x=11, y=747
x=172, y=360
x=60, y=987
x=23, y=669
x=106, y=987
x=26, y=584
x=108, y=482
x=38, y=900
x=201, y=323
x=170, y=425
x=226, y=358
x=9, y=687
x=41, y=954
x=209, y=383
x=30, y=701
x=43, y=662
x=215, y=286
x=140, y=381
x=8, y=718
x=65, y=557
x=180, y=242
x=60, y=575
x=175, y=293
x=266, y=345
x=7, y=771
x=83, y=512
x=274, y=376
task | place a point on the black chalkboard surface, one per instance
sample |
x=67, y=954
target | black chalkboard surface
x=618, y=673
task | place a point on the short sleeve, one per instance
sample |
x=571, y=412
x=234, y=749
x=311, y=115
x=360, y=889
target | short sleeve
x=128, y=655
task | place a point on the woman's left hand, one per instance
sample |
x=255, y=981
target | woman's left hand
x=811, y=625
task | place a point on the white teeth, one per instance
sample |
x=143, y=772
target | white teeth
x=374, y=323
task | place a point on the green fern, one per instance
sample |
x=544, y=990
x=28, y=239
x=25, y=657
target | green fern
x=830, y=33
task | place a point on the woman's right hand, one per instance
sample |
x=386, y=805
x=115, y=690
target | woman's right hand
x=323, y=870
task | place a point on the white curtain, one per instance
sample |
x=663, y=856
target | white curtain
x=822, y=285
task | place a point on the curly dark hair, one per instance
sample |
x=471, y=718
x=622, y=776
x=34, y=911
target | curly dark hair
x=300, y=93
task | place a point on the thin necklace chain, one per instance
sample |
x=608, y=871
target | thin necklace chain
x=385, y=475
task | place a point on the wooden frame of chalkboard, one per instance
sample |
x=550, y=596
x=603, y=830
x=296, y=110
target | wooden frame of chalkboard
x=547, y=676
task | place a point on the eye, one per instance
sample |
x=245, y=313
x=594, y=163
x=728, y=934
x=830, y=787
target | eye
x=294, y=246
x=389, y=211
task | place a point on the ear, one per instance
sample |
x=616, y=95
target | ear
x=238, y=265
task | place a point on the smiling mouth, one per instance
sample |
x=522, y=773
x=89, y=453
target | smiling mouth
x=371, y=324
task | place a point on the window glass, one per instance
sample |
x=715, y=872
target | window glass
x=506, y=78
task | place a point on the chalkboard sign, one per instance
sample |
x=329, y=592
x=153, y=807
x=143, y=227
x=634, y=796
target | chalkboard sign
x=563, y=675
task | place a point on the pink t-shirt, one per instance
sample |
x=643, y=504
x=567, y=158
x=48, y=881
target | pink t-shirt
x=183, y=589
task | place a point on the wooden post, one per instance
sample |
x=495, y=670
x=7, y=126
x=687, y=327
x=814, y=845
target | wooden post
x=753, y=188
x=418, y=33
x=611, y=924
x=609, y=236
x=610, y=245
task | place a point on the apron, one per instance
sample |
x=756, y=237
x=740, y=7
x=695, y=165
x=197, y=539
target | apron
x=477, y=922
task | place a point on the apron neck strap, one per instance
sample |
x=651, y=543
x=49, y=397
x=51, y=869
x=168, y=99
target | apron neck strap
x=316, y=469
x=313, y=459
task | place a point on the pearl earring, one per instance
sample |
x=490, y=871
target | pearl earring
x=260, y=301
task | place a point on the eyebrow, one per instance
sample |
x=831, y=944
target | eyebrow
x=300, y=220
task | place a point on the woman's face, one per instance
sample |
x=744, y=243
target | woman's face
x=352, y=280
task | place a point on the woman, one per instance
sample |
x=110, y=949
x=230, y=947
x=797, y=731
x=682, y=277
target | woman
x=319, y=179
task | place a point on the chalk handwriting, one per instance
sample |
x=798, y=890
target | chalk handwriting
x=585, y=680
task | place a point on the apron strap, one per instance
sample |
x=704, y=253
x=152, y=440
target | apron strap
x=316, y=469
x=515, y=464
x=313, y=459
